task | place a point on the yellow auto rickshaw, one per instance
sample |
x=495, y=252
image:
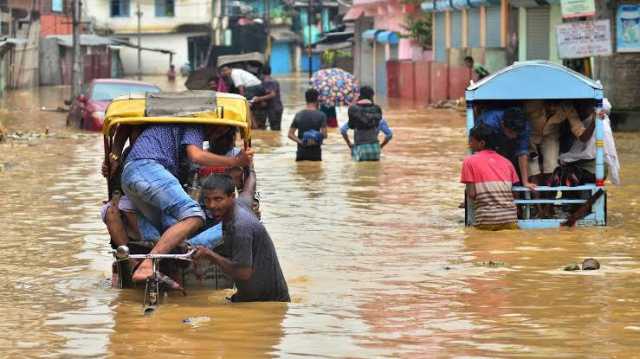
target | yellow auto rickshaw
x=191, y=107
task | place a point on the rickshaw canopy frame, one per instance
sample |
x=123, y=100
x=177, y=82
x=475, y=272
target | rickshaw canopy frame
x=231, y=110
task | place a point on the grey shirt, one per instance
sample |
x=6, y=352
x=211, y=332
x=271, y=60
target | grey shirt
x=247, y=244
x=304, y=121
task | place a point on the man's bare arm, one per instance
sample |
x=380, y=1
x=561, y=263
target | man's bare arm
x=293, y=137
x=227, y=266
x=523, y=164
x=204, y=158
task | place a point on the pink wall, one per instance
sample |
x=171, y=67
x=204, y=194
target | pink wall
x=439, y=82
x=459, y=77
x=422, y=79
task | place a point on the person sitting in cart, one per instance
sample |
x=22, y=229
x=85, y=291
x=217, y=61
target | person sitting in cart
x=546, y=119
x=365, y=119
x=247, y=254
x=489, y=178
x=149, y=179
x=581, y=156
x=510, y=130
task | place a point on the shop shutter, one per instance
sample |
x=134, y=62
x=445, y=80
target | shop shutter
x=456, y=29
x=441, y=55
x=538, y=33
x=474, y=27
x=493, y=26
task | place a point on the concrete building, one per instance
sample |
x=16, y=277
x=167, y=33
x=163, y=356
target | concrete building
x=499, y=32
x=183, y=26
x=379, y=28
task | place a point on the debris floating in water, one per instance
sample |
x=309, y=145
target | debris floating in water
x=572, y=267
x=196, y=321
x=590, y=264
x=587, y=264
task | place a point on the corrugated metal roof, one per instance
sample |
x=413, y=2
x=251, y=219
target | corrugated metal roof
x=85, y=40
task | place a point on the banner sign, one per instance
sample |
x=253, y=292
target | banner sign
x=577, y=8
x=628, y=28
x=584, y=39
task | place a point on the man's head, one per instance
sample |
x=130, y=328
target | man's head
x=514, y=122
x=311, y=96
x=480, y=138
x=266, y=70
x=366, y=93
x=218, y=192
x=225, y=71
x=468, y=62
x=224, y=142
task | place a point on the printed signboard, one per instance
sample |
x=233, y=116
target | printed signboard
x=628, y=28
x=584, y=39
x=577, y=8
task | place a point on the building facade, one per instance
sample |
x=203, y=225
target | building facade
x=178, y=25
x=380, y=38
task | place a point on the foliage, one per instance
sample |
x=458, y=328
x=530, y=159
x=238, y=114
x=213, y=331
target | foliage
x=419, y=28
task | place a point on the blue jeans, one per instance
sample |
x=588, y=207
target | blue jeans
x=210, y=237
x=158, y=196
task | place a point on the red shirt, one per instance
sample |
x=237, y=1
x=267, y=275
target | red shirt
x=492, y=177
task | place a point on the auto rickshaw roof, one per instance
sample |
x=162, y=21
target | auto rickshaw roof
x=231, y=110
x=256, y=57
x=529, y=80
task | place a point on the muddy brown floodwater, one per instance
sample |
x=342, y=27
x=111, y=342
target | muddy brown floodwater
x=377, y=258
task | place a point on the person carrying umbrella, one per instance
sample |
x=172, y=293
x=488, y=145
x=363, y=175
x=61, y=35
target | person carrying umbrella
x=336, y=87
x=365, y=119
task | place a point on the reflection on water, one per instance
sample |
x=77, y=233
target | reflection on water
x=375, y=254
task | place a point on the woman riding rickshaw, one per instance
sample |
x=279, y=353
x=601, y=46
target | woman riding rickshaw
x=165, y=133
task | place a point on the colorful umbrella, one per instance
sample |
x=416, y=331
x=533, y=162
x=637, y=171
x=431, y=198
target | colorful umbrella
x=336, y=86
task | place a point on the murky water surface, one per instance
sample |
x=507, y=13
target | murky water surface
x=376, y=256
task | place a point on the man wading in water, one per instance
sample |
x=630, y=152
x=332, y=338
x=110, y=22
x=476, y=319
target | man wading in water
x=248, y=254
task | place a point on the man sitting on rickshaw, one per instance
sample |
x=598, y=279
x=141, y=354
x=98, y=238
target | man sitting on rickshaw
x=149, y=179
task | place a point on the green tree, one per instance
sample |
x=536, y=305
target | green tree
x=418, y=25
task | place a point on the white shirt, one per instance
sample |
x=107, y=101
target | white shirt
x=244, y=78
x=587, y=150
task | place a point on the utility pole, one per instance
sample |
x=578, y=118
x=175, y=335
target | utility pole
x=77, y=72
x=139, y=15
x=309, y=57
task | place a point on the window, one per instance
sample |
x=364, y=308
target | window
x=165, y=8
x=56, y=5
x=119, y=8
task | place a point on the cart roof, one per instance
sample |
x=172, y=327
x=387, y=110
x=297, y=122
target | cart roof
x=530, y=80
x=231, y=110
x=256, y=57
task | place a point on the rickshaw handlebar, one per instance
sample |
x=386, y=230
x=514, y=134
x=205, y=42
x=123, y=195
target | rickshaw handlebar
x=122, y=254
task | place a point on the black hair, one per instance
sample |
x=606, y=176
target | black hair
x=367, y=93
x=266, y=70
x=311, y=96
x=224, y=143
x=482, y=132
x=515, y=120
x=468, y=59
x=219, y=182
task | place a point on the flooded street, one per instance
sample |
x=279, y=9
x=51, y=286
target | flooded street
x=376, y=256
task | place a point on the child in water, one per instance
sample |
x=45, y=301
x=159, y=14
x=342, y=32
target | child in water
x=489, y=178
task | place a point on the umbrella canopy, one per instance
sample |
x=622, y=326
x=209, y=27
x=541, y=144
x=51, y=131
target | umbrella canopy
x=336, y=86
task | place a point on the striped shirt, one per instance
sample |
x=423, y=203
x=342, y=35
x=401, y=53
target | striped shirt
x=492, y=177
